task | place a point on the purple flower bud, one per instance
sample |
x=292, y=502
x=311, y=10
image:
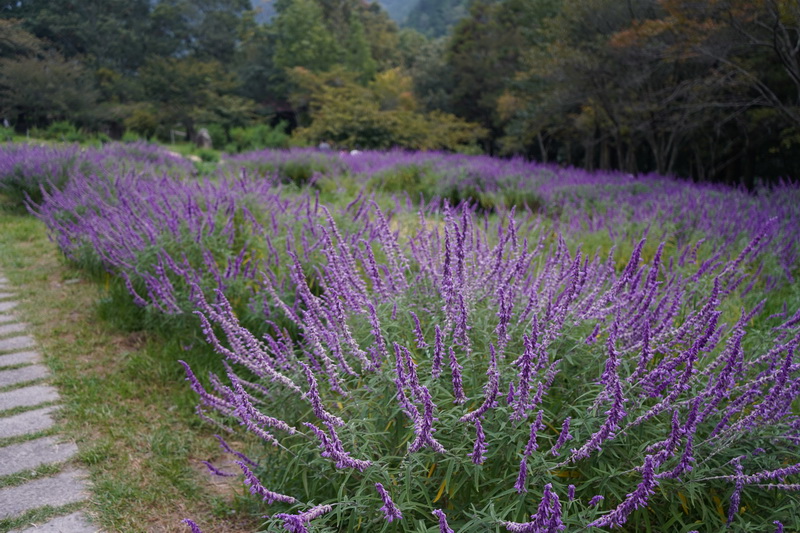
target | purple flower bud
x=596, y=500
x=390, y=510
x=216, y=471
x=778, y=526
x=571, y=493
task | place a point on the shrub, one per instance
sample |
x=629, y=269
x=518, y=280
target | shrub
x=260, y=137
x=219, y=137
x=505, y=391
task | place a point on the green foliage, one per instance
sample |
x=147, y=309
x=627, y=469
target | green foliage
x=6, y=134
x=303, y=40
x=349, y=115
x=208, y=155
x=436, y=17
x=219, y=137
x=259, y=137
x=37, y=90
x=61, y=131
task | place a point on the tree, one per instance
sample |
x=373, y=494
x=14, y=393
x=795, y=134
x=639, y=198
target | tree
x=38, y=89
x=302, y=38
x=350, y=115
x=206, y=29
x=484, y=54
x=107, y=33
x=187, y=91
x=435, y=18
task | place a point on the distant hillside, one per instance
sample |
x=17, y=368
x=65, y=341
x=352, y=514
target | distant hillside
x=265, y=10
x=436, y=17
x=399, y=9
x=430, y=17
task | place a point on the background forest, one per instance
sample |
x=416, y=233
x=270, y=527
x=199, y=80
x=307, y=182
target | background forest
x=708, y=90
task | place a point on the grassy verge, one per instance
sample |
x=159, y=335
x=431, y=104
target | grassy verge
x=125, y=401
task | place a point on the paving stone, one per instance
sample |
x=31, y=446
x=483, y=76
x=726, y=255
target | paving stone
x=13, y=344
x=62, y=489
x=22, y=375
x=5, y=307
x=7, y=317
x=73, y=523
x=12, y=327
x=5, y=295
x=19, y=358
x=34, y=453
x=27, y=397
x=26, y=423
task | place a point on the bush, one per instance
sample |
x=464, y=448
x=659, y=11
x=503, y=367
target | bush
x=219, y=137
x=208, y=155
x=451, y=387
x=6, y=134
x=260, y=137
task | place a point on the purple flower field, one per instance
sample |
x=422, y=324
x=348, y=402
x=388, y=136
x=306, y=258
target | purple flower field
x=434, y=342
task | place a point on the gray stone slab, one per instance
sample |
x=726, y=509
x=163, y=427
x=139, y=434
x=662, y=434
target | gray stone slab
x=73, y=523
x=27, y=423
x=27, y=397
x=34, y=453
x=13, y=344
x=5, y=295
x=5, y=307
x=19, y=358
x=62, y=489
x=22, y=375
x=12, y=327
x=7, y=317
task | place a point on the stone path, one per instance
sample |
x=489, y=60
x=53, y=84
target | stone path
x=27, y=403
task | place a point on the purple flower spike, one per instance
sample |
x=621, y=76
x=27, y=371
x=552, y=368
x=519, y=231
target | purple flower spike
x=418, y=331
x=479, y=449
x=458, y=386
x=537, y=426
x=257, y=489
x=296, y=523
x=390, y=510
x=571, y=493
x=547, y=518
x=438, y=353
x=522, y=477
x=443, y=526
x=192, y=525
x=636, y=499
x=490, y=389
x=778, y=526
x=563, y=437
x=737, y=491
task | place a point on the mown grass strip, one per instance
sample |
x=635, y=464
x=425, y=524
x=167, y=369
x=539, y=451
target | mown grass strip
x=125, y=402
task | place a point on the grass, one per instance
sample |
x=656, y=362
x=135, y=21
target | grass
x=124, y=400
